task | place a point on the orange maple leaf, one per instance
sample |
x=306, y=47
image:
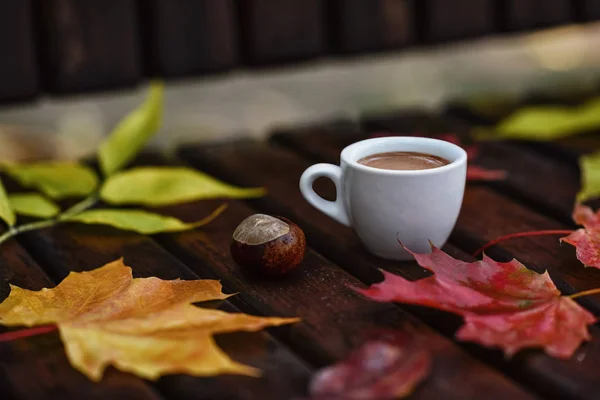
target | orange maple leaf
x=146, y=326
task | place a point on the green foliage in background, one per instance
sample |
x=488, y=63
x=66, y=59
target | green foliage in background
x=546, y=122
x=146, y=186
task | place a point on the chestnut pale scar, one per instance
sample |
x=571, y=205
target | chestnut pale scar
x=260, y=228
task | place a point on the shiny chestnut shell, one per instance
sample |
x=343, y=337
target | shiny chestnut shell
x=268, y=245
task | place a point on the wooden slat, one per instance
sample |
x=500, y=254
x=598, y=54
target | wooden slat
x=441, y=21
x=37, y=368
x=18, y=71
x=370, y=25
x=337, y=319
x=189, y=37
x=78, y=248
x=334, y=318
x=588, y=10
x=486, y=214
x=533, y=179
x=88, y=45
x=251, y=163
x=568, y=149
x=274, y=31
x=532, y=14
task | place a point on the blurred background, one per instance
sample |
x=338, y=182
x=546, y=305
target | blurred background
x=70, y=69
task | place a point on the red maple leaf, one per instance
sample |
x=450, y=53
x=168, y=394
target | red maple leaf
x=503, y=305
x=474, y=173
x=587, y=239
x=388, y=366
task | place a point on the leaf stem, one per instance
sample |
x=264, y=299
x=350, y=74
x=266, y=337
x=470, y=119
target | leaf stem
x=23, y=333
x=585, y=293
x=16, y=230
x=521, y=234
x=79, y=207
x=64, y=216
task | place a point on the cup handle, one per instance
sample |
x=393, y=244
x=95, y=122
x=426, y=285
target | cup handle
x=335, y=209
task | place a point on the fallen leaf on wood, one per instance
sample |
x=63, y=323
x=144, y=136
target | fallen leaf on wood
x=504, y=305
x=159, y=186
x=132, y=132
x=547, y=122
x=589, y=166
x=386, y=367
x=587, y=239
x=474, y=173
x=144, y=222
x=146, y=326
x=56, y=179
x=33, y=205
x=7, y=214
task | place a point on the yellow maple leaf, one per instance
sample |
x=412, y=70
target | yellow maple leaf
x=146, y=326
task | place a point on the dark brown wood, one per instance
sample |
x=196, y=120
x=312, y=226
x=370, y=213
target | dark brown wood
x=251, y=163
x=588, y=10
x=77, y=248
x=18, y=71
x=37, y=368
x=336, y=318
x=442, y=21
x=487, y=215
x=189, y=37
x=546, y=184
x=574, y=147
x=533, y=14
x=274, y=31
x=359, y=26
x=88, y=45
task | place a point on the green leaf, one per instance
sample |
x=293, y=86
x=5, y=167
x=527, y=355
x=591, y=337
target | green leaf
x=55, y=179
x=143, y=222
x=159, y=186
x=6, y=211
x=543, y=123
x=132, y=132
x=590, y=177
x=33, y=205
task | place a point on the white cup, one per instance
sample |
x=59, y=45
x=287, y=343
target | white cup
x=386, y=206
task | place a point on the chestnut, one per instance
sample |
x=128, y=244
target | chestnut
x=272, y=246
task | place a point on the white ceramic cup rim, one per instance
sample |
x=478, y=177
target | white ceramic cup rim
x=345, y=155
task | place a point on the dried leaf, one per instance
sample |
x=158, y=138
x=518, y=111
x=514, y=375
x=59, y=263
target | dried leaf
x=6, y=212
x=132, y=133
x=33, y=205
x=55, y=179
x=503, y=304
x=159, y=186
x=145, y=326
x=590, y=177
x=587, y=239
x=384, y=368
x=140, y=221
x=548, y=122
